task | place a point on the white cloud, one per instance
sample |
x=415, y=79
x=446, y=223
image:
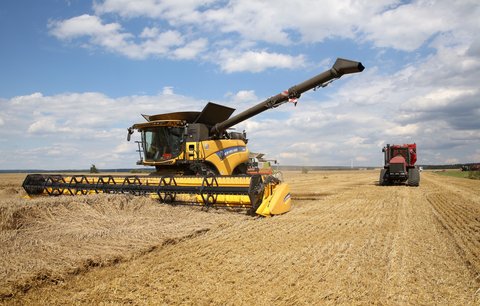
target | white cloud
x=432, y=101
x=431, y=98
x=122, y=148
x=244, y=96
x=84, y=126
x=191, y=50
x=386, y=23
x=402, y=130
x=408, y=26
x=245, y=31
x=258, y=61
x=355, y=141
x=167, y=90
x=161, y=44
x=42, y=125
x=83, y=25
x=439, y=98
x=150, y=32
x=186, y=10
x=111, y=36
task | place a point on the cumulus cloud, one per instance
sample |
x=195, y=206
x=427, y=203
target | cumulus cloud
x=335, y=130
x=150, y=42
x=386, y=23
x=42, y=125
x=243, y=96
x=408, y=26
x=258, y=61
x=433, y=102
x=84, y=25
x=184, y=11
x=403, y=130
x=251, y=29
x=431, y=98
x=191, y=49
x=270, y=22
x=74, y=130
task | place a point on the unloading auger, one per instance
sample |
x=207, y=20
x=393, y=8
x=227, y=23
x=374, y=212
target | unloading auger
x=197, y=160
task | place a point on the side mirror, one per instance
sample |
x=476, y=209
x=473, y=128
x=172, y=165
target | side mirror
x=130, y=132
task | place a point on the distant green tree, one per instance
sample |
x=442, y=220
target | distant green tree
x=93, y=169
x=304, y=170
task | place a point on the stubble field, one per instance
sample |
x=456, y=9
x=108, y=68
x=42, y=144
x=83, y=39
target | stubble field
x=346, y=241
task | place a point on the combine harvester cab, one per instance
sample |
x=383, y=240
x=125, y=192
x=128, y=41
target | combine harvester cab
x=399, y=165
x=197, y=160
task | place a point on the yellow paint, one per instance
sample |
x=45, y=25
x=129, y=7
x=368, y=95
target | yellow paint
x=276, y=199
x=207, y=150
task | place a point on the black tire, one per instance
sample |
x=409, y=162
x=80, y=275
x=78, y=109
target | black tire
x=382, y=181
x=241, y=169
x=413, y=177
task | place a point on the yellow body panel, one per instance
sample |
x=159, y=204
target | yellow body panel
x=276, y=201
x=225, y=154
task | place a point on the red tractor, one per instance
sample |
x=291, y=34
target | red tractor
x=400, y=165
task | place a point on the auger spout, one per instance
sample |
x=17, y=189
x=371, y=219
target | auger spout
x=341, y=67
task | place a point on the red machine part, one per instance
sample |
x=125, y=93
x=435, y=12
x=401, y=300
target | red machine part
x=399, y=165
x=399, y=150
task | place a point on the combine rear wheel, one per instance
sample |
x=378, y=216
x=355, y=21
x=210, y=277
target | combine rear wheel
x=413, y=177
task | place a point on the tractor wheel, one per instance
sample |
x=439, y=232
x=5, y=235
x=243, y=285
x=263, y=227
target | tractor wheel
x=382, y=181
x=413, y=177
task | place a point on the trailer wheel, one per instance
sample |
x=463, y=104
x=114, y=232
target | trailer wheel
x=382, y=181
x=413, y=177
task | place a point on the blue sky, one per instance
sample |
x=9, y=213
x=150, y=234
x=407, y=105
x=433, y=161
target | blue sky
x=76, y=74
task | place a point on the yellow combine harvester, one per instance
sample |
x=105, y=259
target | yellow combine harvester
x=197, y=160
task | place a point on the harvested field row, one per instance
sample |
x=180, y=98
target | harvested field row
x=460, y=216
x=46, y=240
x=347, y=240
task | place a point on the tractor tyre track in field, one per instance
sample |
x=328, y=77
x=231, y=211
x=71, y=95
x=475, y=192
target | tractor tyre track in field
x=459, y=214
x=346, y=241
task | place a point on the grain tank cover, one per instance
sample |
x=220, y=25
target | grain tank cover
x=211, y=114
x=214, y=113
x=189, y=117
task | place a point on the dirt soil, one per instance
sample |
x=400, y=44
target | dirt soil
x=346, y=241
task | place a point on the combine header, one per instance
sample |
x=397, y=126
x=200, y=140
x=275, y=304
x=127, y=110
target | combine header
x=197, y=161
x=255, y=193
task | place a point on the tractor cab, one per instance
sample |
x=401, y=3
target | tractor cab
x=405, y=154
